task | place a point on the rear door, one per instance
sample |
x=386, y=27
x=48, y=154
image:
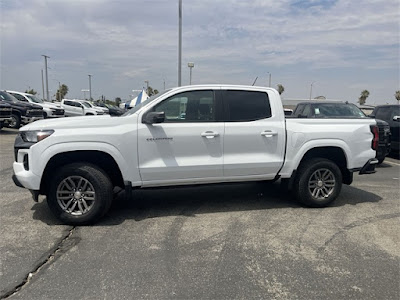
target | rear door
x=254, y=138
x=187, y=145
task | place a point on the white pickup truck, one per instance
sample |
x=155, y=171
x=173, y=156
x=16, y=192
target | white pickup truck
x=189, y=135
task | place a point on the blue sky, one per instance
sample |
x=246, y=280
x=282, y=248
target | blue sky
x=342, y=46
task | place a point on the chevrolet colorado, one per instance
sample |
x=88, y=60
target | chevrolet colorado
x=189, y=135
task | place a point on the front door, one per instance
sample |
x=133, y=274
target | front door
x=187, y=145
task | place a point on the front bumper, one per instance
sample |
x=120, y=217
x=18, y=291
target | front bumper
x=27, y=120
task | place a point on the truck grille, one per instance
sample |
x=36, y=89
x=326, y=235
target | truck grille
x=5, y=112
x=384, y=133
x=34, y=113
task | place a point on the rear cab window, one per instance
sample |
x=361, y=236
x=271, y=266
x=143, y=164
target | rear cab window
x=242, y=106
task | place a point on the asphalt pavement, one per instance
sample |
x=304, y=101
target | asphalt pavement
x=227, y=241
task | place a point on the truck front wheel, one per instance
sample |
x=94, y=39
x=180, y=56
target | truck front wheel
x=318, y=182
x=15, y=121
x=80, y=194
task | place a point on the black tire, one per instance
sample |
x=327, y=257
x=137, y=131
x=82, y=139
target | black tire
x=87, y=191
x=380, y=160
x=44, y=115
x=318, y=182
x=15, y=121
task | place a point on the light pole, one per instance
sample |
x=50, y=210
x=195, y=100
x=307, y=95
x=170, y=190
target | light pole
x=90, y=87
x=269, y=79
x=191, y=66
x=180, y=45
x=147, y=86
x=47, y=78
x=311, y=89
x=43, y=86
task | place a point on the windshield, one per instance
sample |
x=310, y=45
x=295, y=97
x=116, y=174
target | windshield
x=337, y=110
x=7, y=97
x=86, y=104
x=140, y=105
x=35, y=99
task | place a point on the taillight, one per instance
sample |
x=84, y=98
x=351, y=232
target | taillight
x=375, y=140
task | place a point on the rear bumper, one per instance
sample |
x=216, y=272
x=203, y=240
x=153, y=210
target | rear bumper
x=369, y=167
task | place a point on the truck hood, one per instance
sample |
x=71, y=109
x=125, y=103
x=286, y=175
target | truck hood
x=73, y=122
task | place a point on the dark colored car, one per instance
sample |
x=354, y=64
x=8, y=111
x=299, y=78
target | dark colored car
x=390, y=114
x=344, y=110
x=22, y=112
x=112, y=110
x=5, y=112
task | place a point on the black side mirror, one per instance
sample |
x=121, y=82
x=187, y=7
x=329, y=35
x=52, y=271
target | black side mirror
x=154, y=117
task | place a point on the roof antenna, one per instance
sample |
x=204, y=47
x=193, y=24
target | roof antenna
x=255, y=81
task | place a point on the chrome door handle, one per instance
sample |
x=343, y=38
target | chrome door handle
x=209, y=134
x=269, y=133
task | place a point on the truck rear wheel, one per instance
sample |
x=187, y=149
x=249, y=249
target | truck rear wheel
x=318, y=182
x=80, y=194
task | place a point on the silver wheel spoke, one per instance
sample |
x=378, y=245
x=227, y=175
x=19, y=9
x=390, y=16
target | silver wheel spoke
x=76, y=195
x=85, y=204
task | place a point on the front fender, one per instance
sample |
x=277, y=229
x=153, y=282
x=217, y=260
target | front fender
x=127, y=166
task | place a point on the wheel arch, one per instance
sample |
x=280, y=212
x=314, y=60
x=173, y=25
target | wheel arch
x=333, y=153
x=98, y=158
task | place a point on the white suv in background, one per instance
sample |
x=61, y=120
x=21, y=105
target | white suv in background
x=97, y=108
x=50, y=110
x=75, y=107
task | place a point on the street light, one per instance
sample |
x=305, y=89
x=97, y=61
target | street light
x=90, y=87
x=269, y=79
x=147, y=85
x=311, y=88
x=47, y=78
x=191, y=66
x=180, y=45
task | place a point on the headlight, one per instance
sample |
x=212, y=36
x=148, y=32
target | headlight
x=35, y=136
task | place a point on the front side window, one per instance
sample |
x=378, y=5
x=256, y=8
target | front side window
x=192, y=106
x=247, y=105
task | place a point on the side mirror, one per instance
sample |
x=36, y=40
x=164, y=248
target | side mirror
x=153, y=117
x=371, y=116
x=396, y=118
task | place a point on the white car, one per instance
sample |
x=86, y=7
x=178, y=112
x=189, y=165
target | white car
x=190, y=135
x=77, y=108
x=50, y=110
x=97, y=108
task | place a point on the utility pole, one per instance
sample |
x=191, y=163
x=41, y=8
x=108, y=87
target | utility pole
x=311, y=89
x=90, y=87
x=147, y=86
x=180, y=45
x=43, y=86
x=164, y=84
x=47, y=78
x=269, y=85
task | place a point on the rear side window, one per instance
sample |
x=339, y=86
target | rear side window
x=245, y=106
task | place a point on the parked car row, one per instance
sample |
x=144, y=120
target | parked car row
x=18, y=109
x=21, y=112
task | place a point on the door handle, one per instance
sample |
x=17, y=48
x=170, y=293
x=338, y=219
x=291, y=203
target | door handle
x=269, y=133
x=209, y=134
